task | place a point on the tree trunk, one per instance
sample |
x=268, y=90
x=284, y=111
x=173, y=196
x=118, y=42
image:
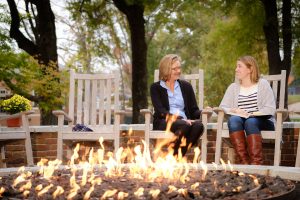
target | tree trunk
x=271, y=30
x=272, y=36
x=287, y=43
x=134, y=14
x=43, y=48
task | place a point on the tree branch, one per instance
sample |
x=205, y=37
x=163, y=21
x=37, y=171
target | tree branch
x=15, y=33
x=122, y=6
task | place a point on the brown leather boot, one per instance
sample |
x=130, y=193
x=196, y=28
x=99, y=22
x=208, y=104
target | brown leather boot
x=255, y=149
x=238, y=140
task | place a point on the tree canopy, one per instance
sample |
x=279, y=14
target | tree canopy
x=132, y=36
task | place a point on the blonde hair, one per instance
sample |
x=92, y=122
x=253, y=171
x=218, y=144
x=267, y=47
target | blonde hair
x=251, y=64
x=165, y=66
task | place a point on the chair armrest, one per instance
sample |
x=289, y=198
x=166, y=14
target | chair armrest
x=145, y=111
x=218, y=110
x=60, y=112
x=281, y=111
x=208, y=112
x=284, y=112
x=120, y=112
x=220, y=113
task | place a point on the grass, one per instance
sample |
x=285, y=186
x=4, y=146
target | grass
x=293, y=99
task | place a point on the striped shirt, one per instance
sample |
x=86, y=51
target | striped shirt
x=247, y=99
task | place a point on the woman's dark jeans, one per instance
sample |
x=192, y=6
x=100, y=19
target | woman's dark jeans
x=251, y=125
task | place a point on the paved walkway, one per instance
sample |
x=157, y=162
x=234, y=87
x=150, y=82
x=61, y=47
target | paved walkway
x=294, y=106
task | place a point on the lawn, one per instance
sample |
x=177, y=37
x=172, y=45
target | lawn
x=293, y=99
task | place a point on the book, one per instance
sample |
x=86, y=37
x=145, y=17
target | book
x=254, y=114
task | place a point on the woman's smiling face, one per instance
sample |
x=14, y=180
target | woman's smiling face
x=175, y=70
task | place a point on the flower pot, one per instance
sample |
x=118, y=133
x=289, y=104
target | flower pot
x=14, y=122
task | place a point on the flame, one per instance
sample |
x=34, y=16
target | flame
x=223, y=164
x=2, y=190
x=172, y=188
x=195, y=185
x=86, y=167
x=197, y=154
x=26, y=193
x=122, y=195
x=255, y=180
x=21, y=169
x=100, y=153
x=43, y=191
x=38, y=187
x=205, y=169
x=170, y=119
x=27, y=186
x=183, y=191
x=49, y=170
x=96, y=181
x=186, y=172
x=75, y=154
x=238, y=188
x=89, y=192
x=101, y=142
x=241, y=174
x=19, y=179
x=59, y=190
x=215, y=184
x=230, y=166
x=92, y=159
x=139, y=192
x=74, y=186
x=154, y=193
x=109, y=193
x=130, y=131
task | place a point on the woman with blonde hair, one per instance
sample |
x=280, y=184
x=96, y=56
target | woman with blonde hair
x=250, y=102
x=175, y=99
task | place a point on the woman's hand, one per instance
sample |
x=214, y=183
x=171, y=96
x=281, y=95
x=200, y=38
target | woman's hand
x=188, y=121
x=239, y=111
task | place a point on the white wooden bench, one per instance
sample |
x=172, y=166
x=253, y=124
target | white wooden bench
x=278, y=84
x=94, y=102
x=22, y=133
x=197, y=81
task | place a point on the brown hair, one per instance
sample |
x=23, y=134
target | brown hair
x=165, y=66
x=251, y=64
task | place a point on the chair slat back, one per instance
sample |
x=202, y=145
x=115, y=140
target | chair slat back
x=277, y=83
x=93, y=97
x=197, y=82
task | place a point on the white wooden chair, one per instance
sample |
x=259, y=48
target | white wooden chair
x=94, y=102
x=197, y=81
x=22, y=133
x=277, y=82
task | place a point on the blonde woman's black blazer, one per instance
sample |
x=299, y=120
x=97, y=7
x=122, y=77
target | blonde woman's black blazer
x=160, y=102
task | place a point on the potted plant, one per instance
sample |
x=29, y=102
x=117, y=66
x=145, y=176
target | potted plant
x=13, y=105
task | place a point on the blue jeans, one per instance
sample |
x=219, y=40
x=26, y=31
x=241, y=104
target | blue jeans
x=252, y=125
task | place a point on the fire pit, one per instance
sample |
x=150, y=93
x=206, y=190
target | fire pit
x=167, y=178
